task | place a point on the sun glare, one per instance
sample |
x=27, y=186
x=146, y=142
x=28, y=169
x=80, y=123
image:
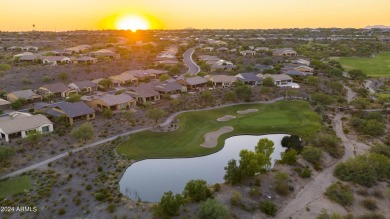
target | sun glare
x=132, y=23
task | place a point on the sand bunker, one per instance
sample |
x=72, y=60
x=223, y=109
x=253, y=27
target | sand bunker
x=247, y=111
x=211, y=138
x=226, y=118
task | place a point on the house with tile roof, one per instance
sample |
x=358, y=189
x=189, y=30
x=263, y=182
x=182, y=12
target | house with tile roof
x=18, y=125
x=28, y=95
x=193, y=82
x=114, y=102
x=144, y=93
x=223, y=80
x=57, y=89
x=83, y=86
x=249, y=78
x=72, y=112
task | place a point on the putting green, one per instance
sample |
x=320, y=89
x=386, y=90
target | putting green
x=293, y=117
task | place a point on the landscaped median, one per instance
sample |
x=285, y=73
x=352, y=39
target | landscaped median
x=292, y=117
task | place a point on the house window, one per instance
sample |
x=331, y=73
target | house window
x=45, y=129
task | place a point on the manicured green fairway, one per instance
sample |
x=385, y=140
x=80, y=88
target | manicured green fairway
x=14, y=185
x=293, y=117
x=379, y=66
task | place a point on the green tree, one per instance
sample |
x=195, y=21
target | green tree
x=268, y=61
x=359, y=103
x=336, y=87
x=5, y=154
x=381, y=149
x=107, y=113
x=33, y=137
x=169, y=205
x=155, y=114
x=268, y=82
x=243, y=92
x=213, y=209
x=84, y=131
x=63, y=76
x=73, y=98
x=265, y=147
x=251, y=163
x=19, y=103
x=289, y=157
x=233, y=174
x=106, y=83
x=197, y=190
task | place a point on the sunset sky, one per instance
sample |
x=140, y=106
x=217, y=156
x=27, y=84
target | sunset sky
x=20, y=15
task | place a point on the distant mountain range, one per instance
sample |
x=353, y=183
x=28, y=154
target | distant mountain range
x=377, y=27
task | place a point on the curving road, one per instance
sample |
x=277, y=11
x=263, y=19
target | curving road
x=193, y=68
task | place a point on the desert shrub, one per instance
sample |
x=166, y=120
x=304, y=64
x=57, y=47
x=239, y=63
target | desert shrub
x=369, y=204
x=61, y=211
x=289, y=157
x=100, y=196
x=324, y=215
x=213, y=209
x=372, y=216
x=268, y=208
x=235, y=200
x=340, y=194
x=305, y=173
x=364, y=169
x=254, y=191
x=312, y=154
x=281, y=183
x=217, y=187
x=111, y=208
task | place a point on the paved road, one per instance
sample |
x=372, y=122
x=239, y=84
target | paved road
x=168, y=120
x=315, y=189
x=193, y=68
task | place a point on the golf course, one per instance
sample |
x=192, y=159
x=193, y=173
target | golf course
x=291, y=117
x=14, y=186
x=378, y=66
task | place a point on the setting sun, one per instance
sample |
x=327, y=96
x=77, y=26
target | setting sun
x=132, y=23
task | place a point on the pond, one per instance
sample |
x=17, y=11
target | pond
x=147, y=180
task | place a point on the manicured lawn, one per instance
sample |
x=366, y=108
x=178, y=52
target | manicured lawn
x=293, y=117
x=14, y=185
x=379, y=66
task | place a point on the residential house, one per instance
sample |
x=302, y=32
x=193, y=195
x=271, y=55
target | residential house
x=248, y=53
x=83, y=86
x=4, y=104
x=168, y=62
x=84, y=60
x=222, y=49
x=60, y=53
x=147, y=73
x=223, y=65
x=232, y=51
x=23, y=54
x=144, y=93
x=72, y=112
x=78, y=49
x=170, y=88
x=223, y=80
x=285, y=52
x=304, y=68
x=55, y=60
x=106, y=53
x=114, y=102
x=302, y=62
x=29, y=48
x=208, y=49
x=193, y=82
x=30, y=58
x=279, y=79
x=261, y=49
x=28, y=95
x=13, y=48
x=249, y=78
x=19, y=125
x=210, y=60
x=123, y=79
x=58, y=90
